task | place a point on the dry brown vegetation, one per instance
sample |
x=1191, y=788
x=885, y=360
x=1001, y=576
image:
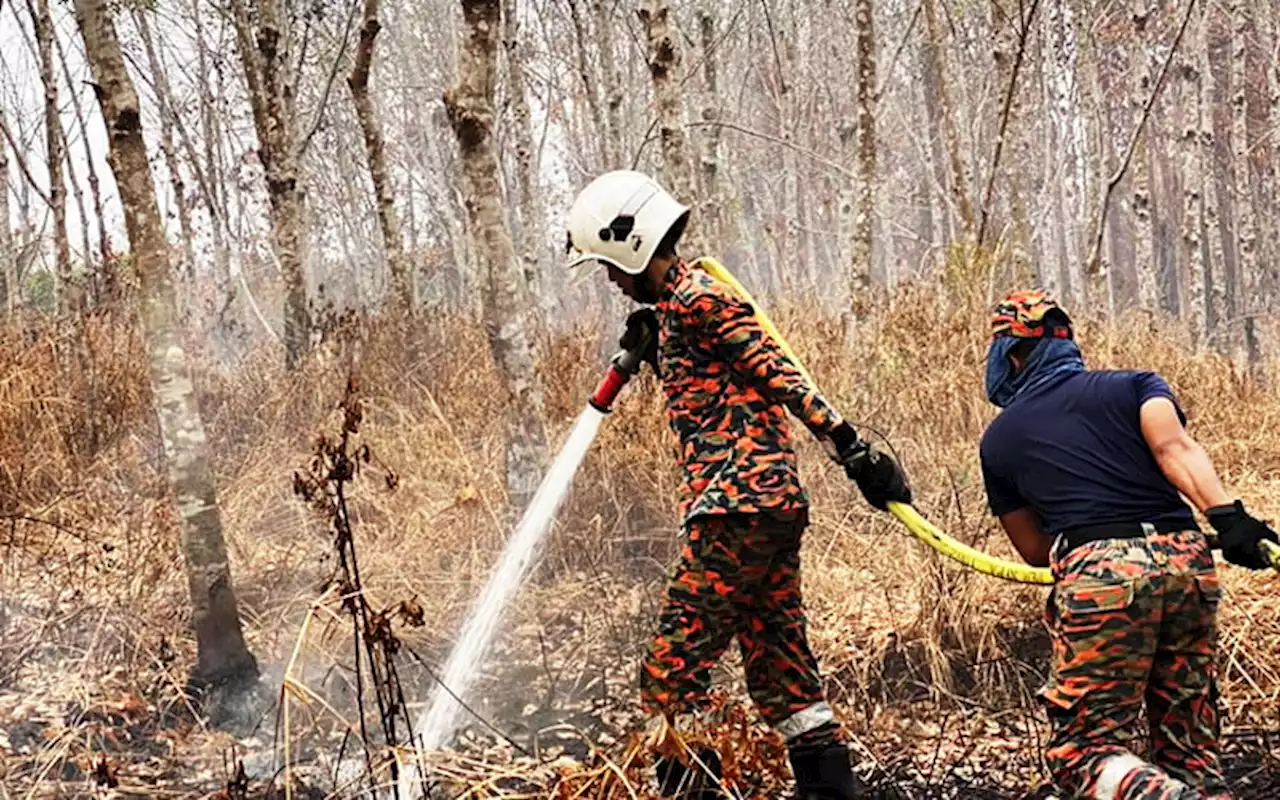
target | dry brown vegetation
x=933, y=668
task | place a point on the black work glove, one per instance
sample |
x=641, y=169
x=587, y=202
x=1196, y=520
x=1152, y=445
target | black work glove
x=877, y=474
x=1240, y=535
x=641, y=336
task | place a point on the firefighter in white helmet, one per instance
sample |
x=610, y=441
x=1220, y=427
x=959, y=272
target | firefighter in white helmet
x=743, y=507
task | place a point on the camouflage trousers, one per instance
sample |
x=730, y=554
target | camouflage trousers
x=738, y=575
x=1132, y=623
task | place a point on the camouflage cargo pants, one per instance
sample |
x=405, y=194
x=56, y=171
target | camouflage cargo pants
x=1132, y=622
x=737, y=575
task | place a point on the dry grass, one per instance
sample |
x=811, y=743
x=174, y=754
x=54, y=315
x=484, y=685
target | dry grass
x=932, y=666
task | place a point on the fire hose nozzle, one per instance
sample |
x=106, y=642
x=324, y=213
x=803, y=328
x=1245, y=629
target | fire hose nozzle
x=623, y=365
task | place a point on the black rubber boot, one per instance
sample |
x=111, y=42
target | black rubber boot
x=823, y=772
x=690, y=782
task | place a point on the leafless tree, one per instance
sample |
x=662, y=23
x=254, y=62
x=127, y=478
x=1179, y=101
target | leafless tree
x=664, y=68
x=69, y=299
x=265, y=42
x=402, y=281
x=223, y=659
x=470, y=108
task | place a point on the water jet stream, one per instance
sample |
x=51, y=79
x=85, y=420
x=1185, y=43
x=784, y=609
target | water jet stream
x=439, y=721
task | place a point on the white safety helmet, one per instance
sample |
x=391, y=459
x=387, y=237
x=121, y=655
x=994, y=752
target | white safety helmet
x=620, y=218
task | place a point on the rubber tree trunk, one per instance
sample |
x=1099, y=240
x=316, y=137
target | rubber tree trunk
x=712, y=205
x=105, y=281
x=1220, y=202
x=859, y=269
x=264, y=44
x=613, y=87
x=223, y=659
x=402, y=283
x=585, y=43
x=664, y=69
x=1259, y=143
x=530, y=215
x=1163, y=197
x=8, y=287
x=470, y=109
x=939, y=96
x=68, y=296
x=1194, y=128
x=167, y=146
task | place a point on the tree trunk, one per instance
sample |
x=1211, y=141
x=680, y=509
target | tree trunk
x=859, y=275
x=929, y=57
x=85, y=283
x=1252, y=154
x=1264, y=281
x=1164, y=206
x=69, y=300
x=264, y=55
x=470, y=108
x=223, y=659
x=664, y=68
x=1144, y=66
x=106, y=279
x=1114, y=105
x=614, y=145
x=1193, y=175
x=1220, y=194
x=213, y=190
x=936, y=80
x=711, y=207
x=69, y=162
x=166, y=146
x=8, y=258
x=402, y=284
x=1097, y=286
x=526, y=169
x=609, y=152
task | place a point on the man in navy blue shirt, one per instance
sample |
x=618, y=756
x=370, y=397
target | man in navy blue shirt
x=1085, y=470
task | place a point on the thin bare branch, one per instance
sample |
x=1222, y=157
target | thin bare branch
x=22, y=162
x=1100, y=224
x=329, y=80
x=897, y=53
x=733, y=126
x=1024, y=34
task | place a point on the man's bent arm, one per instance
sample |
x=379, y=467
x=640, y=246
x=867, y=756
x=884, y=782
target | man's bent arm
x=1181, y=458
x=756, y=355
x=1028, y=537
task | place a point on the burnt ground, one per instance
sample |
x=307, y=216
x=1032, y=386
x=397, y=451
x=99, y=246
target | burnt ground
x=133, y=746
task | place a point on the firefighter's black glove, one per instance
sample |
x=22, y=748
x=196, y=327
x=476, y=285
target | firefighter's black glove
x=1240, y=535
x=641, y=336
x=877, y=474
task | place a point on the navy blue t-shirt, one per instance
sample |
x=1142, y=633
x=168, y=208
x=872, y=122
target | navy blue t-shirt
x=1074, y=453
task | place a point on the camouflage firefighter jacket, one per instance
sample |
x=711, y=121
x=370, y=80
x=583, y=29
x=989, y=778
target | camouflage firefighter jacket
x=726, y=382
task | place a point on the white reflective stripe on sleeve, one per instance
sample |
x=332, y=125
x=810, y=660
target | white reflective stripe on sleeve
x=1113, y=774
x=805, y=720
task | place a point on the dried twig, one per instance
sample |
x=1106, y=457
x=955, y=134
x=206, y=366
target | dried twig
x=335, y=464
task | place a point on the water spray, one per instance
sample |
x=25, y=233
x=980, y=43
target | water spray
x=440, y=720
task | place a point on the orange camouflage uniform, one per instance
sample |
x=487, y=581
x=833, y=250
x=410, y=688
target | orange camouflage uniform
x=744, y=509
x=1133, y=623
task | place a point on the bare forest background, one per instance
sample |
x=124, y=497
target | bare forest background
x=213, y=214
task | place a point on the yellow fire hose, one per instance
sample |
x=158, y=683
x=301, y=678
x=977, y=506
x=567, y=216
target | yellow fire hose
x=906, y=514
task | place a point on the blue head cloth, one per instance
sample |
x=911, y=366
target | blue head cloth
x=1051, y=361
